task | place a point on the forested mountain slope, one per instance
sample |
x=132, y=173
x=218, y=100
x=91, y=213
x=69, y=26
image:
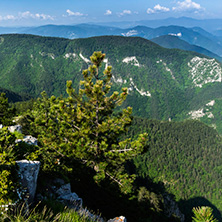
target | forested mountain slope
x=162, y=83
x=186, y=158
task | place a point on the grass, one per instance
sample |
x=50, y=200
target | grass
x=46, y=214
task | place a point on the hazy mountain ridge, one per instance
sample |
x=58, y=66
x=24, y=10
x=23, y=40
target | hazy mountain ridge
x=171, y=41
x=208, y=24
x=195, y=35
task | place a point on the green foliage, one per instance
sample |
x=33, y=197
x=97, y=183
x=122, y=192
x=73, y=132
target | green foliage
x=8, y=182
x=6, y=113
x=154, y=201
x=184, y=157
x=203, y=214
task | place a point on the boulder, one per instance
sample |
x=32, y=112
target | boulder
x=28, y=172
x=14, y=128
x=29, y=140
x=118, y=219
x=64, y=190
x=71, y=200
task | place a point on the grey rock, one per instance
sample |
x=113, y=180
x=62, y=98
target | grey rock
x=29, y=140
x=118, y=219
x=64, y=190
x=28, y=172
x=71, y=200
x=171, y=208
x=14, y=128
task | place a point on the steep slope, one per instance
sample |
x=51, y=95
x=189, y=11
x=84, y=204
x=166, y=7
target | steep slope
x=162, y=83
x=174, y=42
x=185, y=157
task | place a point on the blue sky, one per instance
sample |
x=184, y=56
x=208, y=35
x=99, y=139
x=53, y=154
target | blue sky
x=39, y=12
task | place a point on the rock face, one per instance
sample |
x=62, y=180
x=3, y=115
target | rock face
x=170, y=208
x=28, y=172
x=118, y=219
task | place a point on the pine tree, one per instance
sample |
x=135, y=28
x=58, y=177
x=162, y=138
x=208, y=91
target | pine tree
x=203, y=214
x=85, y=126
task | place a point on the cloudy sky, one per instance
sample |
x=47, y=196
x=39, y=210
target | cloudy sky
x=38, y=12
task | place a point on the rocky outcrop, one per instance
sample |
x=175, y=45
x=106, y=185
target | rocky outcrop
x=29, y=140
x=28, y=173
x=68, y=198
x=14, y=128
x=171, y=208
x=71, y=200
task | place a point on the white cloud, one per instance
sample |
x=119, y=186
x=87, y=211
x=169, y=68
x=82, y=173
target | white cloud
x=150, y=11
x=161, y=8
x=108, y=12
x=157, y=8
x=125, y=12
x=7, y=17
x=187, y=5
x=70, y=13
x=28, y=14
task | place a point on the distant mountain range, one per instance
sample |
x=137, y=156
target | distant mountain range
x=194, y=36
x=210, y=25
x=163, y=83
x=174, y=42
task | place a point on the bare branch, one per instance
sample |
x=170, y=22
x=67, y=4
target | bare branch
x=113, y=178
x=120, y=151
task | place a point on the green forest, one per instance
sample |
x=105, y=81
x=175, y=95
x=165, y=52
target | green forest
x=32, y=64
x=128, y=164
